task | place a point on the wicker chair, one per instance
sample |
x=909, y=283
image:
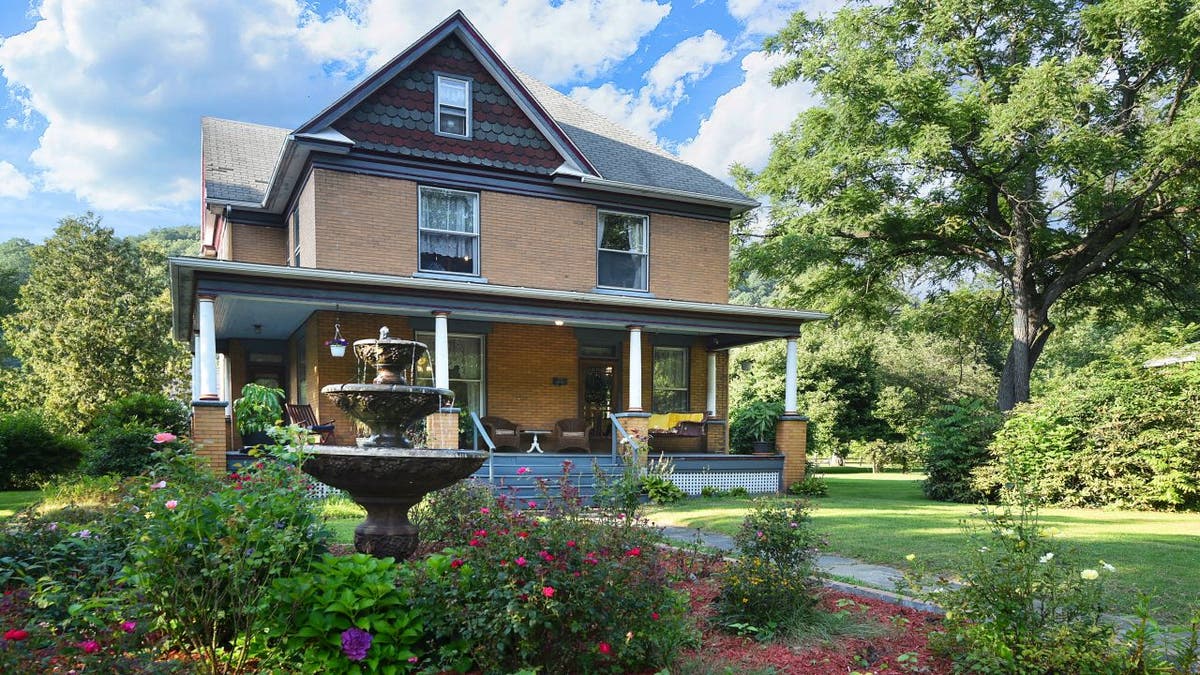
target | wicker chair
x=571, y=433
x=502, y=432
x=302, y=415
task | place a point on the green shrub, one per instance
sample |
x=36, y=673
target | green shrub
x=1026, y=604
x=120, y=450
x=811, y=486
x=955, y=443
x=448, y=516
x=337, y=594
x=155, y=411
x=1110, y=435
x=566, y=594
x=31, y=452
x=657, y=483
x=752, y=422
x=209, y=548
x=770, y=587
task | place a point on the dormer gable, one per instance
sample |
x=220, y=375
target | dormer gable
x=449, y=97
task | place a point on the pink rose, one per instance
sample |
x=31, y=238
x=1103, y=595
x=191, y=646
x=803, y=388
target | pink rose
x=129, y=626
x=171, y=504
x=522, y=471
x=164, y=437
x=89, y=646
x=548, y=591
x=159, y=485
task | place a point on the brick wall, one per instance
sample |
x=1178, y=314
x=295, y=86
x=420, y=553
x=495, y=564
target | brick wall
x=369, y=224
x=255, y=244
x=522, y=361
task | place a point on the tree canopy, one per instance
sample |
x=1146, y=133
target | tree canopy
x=1042, y=144
x=91, y=324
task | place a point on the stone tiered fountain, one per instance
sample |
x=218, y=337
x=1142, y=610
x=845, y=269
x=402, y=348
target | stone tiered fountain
x=383, y=472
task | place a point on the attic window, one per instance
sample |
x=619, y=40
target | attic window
x=453, y=107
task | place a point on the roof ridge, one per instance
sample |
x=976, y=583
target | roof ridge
x=244, y=123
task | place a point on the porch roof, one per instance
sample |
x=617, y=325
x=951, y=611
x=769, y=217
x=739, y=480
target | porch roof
x=272, y=301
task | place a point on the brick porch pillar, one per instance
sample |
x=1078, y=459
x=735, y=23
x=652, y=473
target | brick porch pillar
x=210, y=433
x=441, y=429
x=791, y=441
x=714, y=436
x=637, y=424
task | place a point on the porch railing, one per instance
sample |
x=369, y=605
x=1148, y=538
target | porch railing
x=619, y=435
x=480, y=432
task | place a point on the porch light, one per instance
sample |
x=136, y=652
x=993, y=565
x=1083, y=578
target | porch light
x=337, y=346
x=558, y=322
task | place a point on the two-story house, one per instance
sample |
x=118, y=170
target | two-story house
x=558, y=266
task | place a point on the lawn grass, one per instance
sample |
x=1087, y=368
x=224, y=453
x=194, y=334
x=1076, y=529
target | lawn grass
x=880, y=518
x=15, y=501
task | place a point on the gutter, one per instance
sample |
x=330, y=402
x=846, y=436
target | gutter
x=736, y=206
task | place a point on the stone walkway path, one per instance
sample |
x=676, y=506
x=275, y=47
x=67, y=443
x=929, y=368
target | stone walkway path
x=874, y=578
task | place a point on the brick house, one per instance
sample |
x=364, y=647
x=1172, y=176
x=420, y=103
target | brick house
x=558, y=266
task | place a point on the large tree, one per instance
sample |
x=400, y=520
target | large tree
x=1048, y=143
x=91, y=324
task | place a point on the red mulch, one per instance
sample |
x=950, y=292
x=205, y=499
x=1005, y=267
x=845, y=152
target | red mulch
x=907, y=633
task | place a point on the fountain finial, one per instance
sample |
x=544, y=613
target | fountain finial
x=383, y=333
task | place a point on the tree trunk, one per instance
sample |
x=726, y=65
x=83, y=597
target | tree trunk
x=1022, y=356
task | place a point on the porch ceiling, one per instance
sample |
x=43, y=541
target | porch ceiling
x=270, y=302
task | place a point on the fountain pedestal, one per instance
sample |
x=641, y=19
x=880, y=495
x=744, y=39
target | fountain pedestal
x=382, y=473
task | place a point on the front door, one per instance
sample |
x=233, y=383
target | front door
x=599, y=393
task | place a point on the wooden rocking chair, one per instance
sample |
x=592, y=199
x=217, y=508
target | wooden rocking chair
x=302, y=415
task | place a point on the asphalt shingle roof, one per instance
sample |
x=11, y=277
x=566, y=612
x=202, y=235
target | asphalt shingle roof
x=239, y=157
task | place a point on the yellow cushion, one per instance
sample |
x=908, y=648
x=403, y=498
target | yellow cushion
x=660, y=421
x=676, y=418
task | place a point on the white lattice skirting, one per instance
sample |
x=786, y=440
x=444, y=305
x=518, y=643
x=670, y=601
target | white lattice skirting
x=322, y=491
x=755, y=482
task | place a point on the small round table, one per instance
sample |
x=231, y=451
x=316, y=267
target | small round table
x=535, y=446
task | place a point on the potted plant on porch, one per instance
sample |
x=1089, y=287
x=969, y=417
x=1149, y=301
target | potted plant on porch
x=759, y=419
x=256, y=411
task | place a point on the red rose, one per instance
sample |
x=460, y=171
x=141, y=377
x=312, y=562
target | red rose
x=16, y=635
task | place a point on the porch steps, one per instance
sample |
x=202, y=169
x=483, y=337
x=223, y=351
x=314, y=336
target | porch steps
x=507, y=477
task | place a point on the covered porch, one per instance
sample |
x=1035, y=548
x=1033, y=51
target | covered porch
x=545, y=372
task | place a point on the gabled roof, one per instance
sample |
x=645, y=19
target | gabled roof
x=255, y=166
x=239, y=159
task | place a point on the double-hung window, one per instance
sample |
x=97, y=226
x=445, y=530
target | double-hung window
x=623, y=246
x=453, y=107
x=670, y=391
x=449, y=231
x=467, y=369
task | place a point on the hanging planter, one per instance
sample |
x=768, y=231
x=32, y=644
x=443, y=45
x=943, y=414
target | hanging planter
x=337, y=346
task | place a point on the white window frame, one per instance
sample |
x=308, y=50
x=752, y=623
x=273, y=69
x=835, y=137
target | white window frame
x=427, y=337
x=438, y=106
x=422, y=229
x=600, y=213
x=687, y=377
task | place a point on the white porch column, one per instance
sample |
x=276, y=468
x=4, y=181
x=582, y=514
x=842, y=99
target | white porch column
x=208, y=349
x=441, y=351
x=711, y=405
x=789, y=383
x=196, y=366
x=635, y=369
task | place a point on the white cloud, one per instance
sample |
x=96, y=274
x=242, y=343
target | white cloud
x=558, y=42
x=641, y=112
x=765, y=17
x=13, y=183
x=687, y=62
x=742, y=121
x=118, y=86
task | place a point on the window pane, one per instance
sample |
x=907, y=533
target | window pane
x=452, y=92
x=670, y=368
x=448, y=253
x=622, y=232
x=452, y=121
x=670, y=401
x=622, y=270
x=466, y=368
x=465, y=359
x=445, y=210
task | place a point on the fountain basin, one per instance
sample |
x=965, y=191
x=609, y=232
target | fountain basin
x=387, y=409
x=387, y=482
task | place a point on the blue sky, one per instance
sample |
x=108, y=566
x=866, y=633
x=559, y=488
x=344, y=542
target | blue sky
x=103, y=98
